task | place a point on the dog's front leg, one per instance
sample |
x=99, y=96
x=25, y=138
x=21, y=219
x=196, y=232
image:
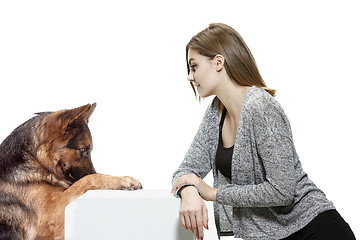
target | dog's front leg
x=97, y=181
x=52, y=217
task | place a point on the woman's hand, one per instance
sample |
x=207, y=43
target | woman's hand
x=207, y=193
x=193, y=212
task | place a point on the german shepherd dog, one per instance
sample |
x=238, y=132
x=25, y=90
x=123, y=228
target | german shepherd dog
x=45, y=164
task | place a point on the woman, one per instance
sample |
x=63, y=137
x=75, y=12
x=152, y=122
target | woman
x=260, y=190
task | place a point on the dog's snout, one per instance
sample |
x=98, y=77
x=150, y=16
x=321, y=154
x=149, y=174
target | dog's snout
x=85, y=154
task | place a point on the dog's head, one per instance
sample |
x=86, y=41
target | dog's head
x=64, y=143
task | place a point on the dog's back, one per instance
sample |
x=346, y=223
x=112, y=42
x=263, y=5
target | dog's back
x=15, y=215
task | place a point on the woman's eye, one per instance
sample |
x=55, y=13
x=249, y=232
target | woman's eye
x=193, y=67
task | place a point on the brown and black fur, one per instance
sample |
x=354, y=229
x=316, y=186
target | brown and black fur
x=45, y=163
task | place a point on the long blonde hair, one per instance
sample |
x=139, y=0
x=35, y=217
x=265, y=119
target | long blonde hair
x=240, y=64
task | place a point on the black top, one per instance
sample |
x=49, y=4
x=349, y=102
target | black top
x=223, y=156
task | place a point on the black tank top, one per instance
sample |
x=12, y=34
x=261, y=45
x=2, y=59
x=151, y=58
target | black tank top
x=223, y=156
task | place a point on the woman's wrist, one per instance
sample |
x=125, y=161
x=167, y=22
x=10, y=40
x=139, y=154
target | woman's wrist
x=193, y=191
x=213, y=194
x=188, y=191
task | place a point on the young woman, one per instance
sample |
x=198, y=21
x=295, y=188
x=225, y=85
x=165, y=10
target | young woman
x=260, y=189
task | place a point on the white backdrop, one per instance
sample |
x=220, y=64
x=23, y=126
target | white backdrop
x=129, y=57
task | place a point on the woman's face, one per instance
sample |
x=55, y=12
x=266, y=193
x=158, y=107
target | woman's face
x=203, y=74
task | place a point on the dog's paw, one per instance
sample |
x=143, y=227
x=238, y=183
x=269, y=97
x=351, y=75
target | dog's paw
x=103, y=181
x=129, y=183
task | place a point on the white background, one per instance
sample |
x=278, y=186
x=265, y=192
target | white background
x=129, y=57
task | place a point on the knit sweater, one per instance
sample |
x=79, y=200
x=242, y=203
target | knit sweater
x=269, y=195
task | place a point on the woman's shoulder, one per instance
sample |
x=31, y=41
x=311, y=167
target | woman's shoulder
x=212, y=112
x=265, y=110
x=259, y=99
x=213, y=108
x=215, y=103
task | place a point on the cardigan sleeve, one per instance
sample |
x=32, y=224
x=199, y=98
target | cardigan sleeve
x=271, y=134
x=197, y=158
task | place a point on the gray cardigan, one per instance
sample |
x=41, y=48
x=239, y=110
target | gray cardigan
x=270, y=196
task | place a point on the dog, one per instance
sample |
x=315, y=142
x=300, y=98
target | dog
x=45, y=163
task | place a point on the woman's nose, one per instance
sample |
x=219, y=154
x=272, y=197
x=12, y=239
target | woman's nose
x=190, y=77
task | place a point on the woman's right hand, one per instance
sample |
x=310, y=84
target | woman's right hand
x=193, y=212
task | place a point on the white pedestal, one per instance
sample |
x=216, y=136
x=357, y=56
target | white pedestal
x=141, y=214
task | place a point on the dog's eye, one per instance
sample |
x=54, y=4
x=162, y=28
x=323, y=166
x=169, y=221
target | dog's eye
x=82, y=150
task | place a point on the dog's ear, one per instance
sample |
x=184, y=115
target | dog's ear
x=86, y=112
x=83, y=113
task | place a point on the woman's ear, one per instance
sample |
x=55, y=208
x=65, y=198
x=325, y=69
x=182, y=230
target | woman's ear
x=219, y=62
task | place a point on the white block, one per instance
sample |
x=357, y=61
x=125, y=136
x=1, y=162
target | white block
x=116, y=214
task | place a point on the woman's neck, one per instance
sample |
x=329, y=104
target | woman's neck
x=232, y=96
